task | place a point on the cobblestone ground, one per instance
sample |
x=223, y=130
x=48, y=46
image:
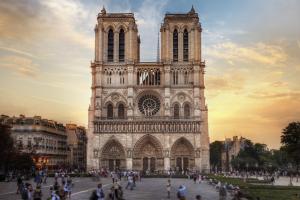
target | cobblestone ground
x=147, y=189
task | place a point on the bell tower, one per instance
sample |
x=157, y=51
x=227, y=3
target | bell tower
x=181, y=37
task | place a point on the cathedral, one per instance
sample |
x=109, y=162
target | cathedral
x=148, y=116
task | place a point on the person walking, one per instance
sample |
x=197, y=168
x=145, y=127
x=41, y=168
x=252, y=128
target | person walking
x=169, y=188
x=181, y=192
x=100, y=192
x=37, y=195
x=19, y=184
x=222, y=192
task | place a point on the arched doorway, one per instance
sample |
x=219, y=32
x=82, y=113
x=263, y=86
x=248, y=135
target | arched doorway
x=182, y=155
x=113, y=155
x=148, y=154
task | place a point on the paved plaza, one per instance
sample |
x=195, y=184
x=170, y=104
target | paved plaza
x=147, y=189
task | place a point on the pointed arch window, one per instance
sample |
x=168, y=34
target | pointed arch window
x=121, y=111
x=175, y=45
x=185, y=45
x=176, y=111
x=187, y=111
x=110, y=46
x=110, y=111
x=121, y=46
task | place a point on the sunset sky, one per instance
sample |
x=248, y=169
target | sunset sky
x=251, y=49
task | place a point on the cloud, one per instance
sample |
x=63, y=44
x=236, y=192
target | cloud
x=275, y=95
x=12, y=50
x=21, y=65
x=258, y=53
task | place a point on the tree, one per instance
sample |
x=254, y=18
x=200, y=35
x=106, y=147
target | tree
x=290, y=140
x=216, y=155
x=6, y=146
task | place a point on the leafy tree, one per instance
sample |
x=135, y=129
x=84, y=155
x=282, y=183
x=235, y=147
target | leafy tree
x=216, y=154
x=290, y=140
x=6, y=146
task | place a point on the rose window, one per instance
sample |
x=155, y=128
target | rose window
x=149, y=105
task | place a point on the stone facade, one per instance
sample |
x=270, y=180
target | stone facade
x=45, y=140
x=148, y=115
x=231, y=149
x=77, y=143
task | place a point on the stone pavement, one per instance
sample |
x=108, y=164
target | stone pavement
x=147, y=189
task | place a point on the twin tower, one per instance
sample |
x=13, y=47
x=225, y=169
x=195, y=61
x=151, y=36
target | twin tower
x=148, y=116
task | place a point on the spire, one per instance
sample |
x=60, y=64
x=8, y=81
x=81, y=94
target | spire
x=192, y=11
x=158, y=50
x=103, y=11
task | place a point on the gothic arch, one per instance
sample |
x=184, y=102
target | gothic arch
x=182, y=155
x=113, y=155
x=176, y=110
x=108, y=27
x=181, y=97
x=148, y=154
x=121, y=26
x=115, y=97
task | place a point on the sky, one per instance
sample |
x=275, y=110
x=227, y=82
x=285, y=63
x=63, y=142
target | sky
x=251, y=49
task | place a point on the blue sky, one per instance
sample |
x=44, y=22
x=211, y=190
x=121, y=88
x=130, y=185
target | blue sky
x=251, y=49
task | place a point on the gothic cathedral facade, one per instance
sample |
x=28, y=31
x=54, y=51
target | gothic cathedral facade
x=148, y=115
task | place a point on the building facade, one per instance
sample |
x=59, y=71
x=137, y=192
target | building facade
x=45, y=140
x=231, y=149
x=148, y=115
x=77, y=142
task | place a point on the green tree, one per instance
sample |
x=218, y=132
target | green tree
x=216, y=155
x=290, y=140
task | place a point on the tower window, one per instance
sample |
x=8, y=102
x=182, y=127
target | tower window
x=121, y=45
x=185, y=45
x=110, y=111
x=110, y=46
x=175, y=45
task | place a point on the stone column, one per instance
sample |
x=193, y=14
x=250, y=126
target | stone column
x=129, y=163
x=116, y=46
x=96, y=43
x=100, y=39
x=180, y=46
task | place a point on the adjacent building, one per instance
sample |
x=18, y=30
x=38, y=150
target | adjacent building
x=148, y=115
x=77, y=142
x=48, y=141
x=231, y=149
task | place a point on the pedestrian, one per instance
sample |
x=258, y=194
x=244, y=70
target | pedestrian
x=129, y=182
x=68, y=188
x=55, y=196
x=222, y=192
x=169, y=188
x=195, y=178
x=181, y=192
x=100, y=192
x=19, y=184
x=37, y=195
x=198, y=197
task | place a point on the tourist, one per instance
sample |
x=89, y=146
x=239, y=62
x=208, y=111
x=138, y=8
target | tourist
x=130, y=182
x=181, y=192
x=37, y=195
x=55, y=196
x=68, y=188
x=222, y=192
x=100, y=192
x=198, y=197
x=19, y=184
x=169, y=188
